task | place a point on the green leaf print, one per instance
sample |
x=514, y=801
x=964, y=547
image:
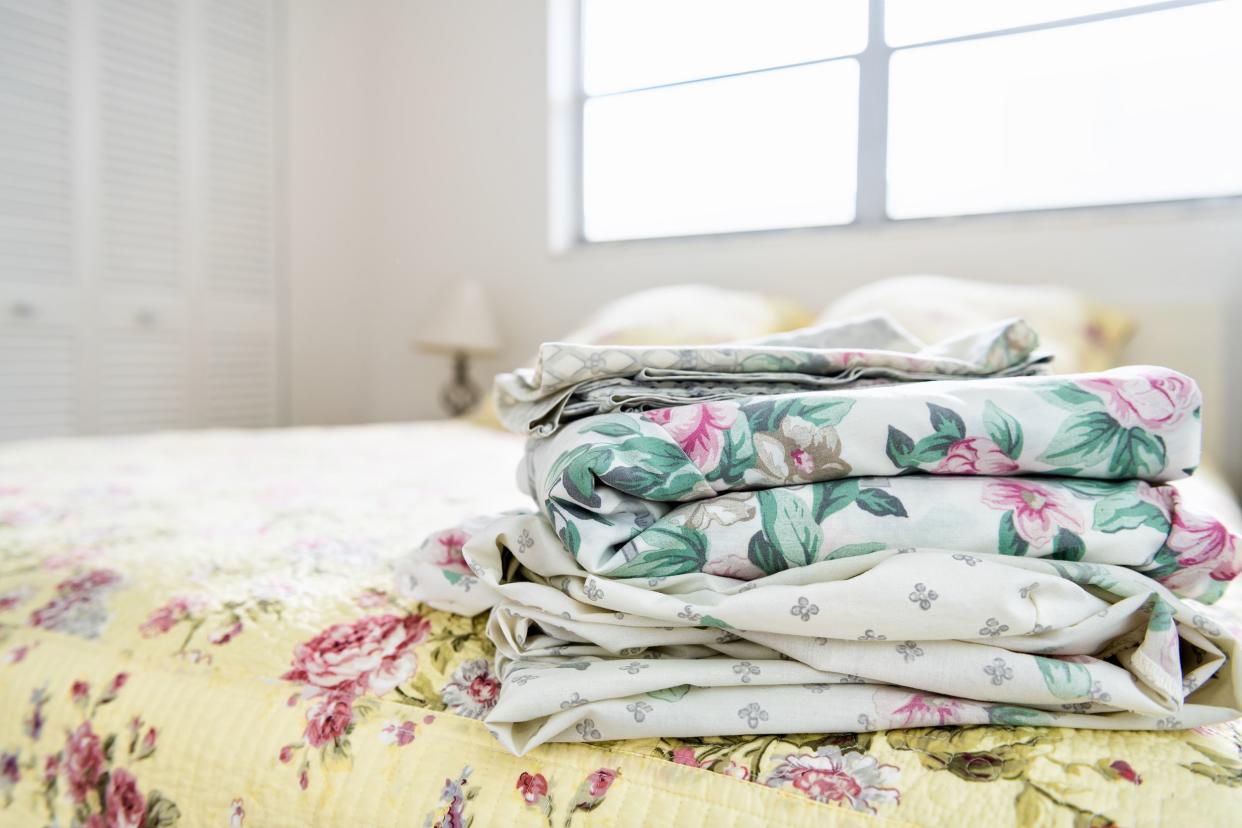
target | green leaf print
x=579, y=475
x=947, y=422
x=580, y=512
x=1123, y=509
x=671, y=694
x=1008, y=541
x=737, y=455
x=900, y=449
x=766, y=415
x=1002, y=714
x=1066, y=546
x=881, y=503
x=677, y=550
x=1065, y=679
x=1161, y=614
x=654, y=453
x=1137, y=454
x=1084, y=440
x=851, y=550
x=1003, y=429
x=570, y=537
x=616, y=427
x=764, y=555
x=718, y=623
x=831, y=497
x=790, y=526
x=1068, y=395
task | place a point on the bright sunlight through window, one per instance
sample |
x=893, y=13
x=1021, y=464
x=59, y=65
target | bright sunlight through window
x=715, y=116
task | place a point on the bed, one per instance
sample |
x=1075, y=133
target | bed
x=165, y=601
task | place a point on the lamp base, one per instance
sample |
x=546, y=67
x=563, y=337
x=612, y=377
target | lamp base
x=461, y=394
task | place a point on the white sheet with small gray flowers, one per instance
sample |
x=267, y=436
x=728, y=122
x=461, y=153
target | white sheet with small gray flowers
x=894, y=638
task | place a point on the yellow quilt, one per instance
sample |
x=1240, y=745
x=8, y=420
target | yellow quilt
x=177, y=612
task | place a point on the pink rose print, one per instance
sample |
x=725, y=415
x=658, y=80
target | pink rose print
x=397, y=733
x=371, y=655
x=1157, y=402
x=83, y=762
x=126, y=804
x=921, y=710
x=1204, y=543
x=237, y=814
x=79, y=692
x=849, y=779
x=328, y=718
x=599, y=782
x=162, y=619
x=448, y=548
x=225, y=635
x=1037, y=511
x=976, y=455
x=699, y=429
x=736, y=771
x=15, y=597
x=78, y=607
x=532, y=788
x=685, y=756
x=473, y=689
x=1122, y=769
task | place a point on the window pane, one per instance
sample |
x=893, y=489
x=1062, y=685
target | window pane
x=918, y=21
x=773, y=149
x=627, y=44
x=1132, y=109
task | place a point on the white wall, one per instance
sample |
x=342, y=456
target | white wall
x=457, y=136
x=332, y=206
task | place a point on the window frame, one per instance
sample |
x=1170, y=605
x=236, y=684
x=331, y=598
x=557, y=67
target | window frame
x=568, y=99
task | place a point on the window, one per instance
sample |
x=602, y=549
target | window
x=713, y=116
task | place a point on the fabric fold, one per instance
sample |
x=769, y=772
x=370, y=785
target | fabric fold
x=569, y=381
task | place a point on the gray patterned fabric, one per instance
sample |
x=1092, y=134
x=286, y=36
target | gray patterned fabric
x=571, y=381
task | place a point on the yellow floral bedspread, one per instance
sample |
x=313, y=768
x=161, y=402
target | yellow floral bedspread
x=198, y=629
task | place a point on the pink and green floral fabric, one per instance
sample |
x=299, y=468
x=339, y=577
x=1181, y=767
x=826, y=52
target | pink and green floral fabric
x=749, y=488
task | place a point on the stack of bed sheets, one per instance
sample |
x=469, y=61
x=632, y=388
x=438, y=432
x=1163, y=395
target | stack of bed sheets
x=827, y=538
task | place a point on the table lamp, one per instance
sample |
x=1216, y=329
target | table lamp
x=462, y=326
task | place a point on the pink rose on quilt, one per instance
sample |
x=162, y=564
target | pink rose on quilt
x=532, y=788
x=1202, y=541
x=126, y=805
x=829, y=775
x=373, y=654
x=162, y=619
x=1156, y=402
x=473, y=689
x=976, y=455
x=921, y=709
x=685, y=756
x=327, y=719
x=83, y=762
x=1038, y=512
x=699, y=429
x=736, y=771
x=397, y=733
x=599, y=782
x=447, y=546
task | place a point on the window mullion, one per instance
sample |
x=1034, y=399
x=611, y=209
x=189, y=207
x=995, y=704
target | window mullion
x=871, y=196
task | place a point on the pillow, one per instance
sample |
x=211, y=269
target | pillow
x=676, y=315
x=688, y=315
x=1084, y=336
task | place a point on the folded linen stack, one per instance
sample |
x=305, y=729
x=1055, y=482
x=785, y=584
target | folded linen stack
x=859, y=558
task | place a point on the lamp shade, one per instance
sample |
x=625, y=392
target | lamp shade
x=461, y=322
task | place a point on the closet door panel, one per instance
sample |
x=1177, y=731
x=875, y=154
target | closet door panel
x=36, y=170
x=39, y=362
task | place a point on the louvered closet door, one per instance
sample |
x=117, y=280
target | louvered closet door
x=38, y=325
x=142, y=365
x=240, y=346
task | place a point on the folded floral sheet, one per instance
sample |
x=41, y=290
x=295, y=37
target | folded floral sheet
x=954, y=551
x=570, y=381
